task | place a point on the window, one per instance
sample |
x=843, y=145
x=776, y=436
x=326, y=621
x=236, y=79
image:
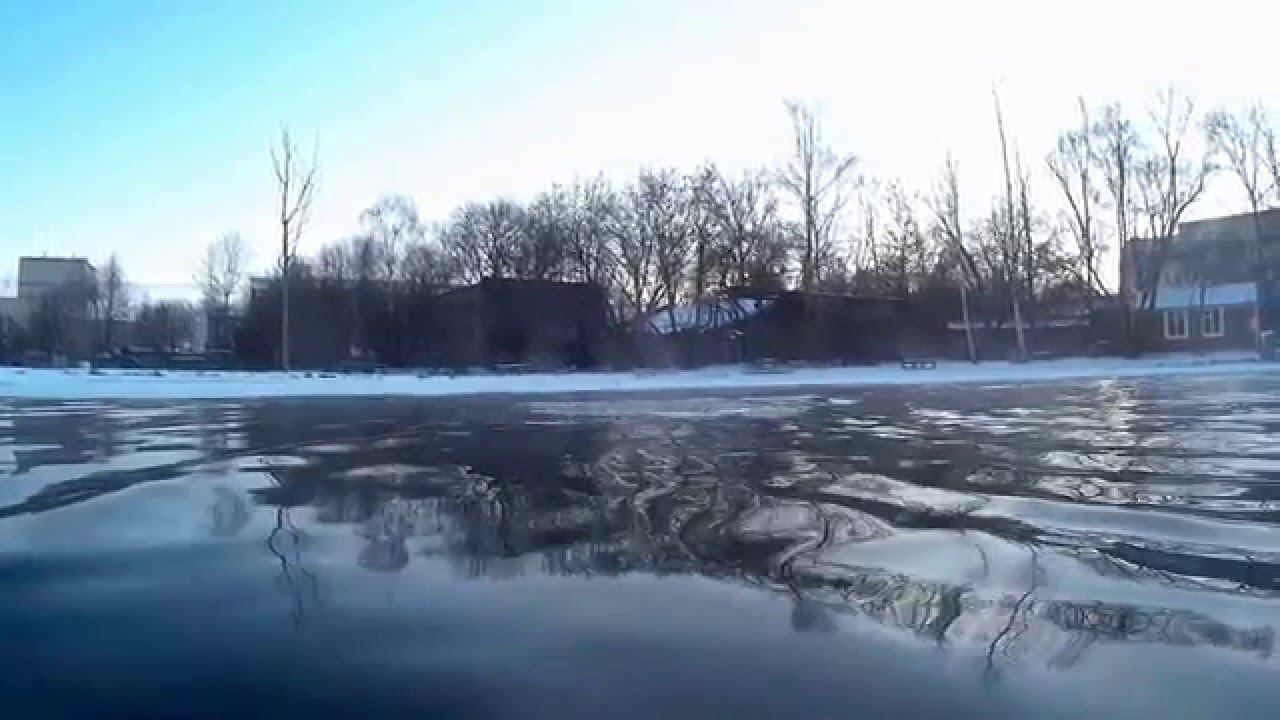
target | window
x=1175, y=324
x=1212, y=322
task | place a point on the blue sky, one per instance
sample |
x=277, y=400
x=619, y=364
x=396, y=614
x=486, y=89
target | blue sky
x=131, y=125
x=143, y=127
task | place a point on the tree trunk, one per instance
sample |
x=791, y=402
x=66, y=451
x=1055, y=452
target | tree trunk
x=1132, y=346
x=968, y=327
x=224, y=323
x=109, y=324
x=1017, y=327
x=284, y=319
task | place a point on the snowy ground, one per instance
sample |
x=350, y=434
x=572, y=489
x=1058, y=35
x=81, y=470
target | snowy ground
x=79, y=384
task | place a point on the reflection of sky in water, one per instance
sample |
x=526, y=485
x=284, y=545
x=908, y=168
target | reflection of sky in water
x=975, y=536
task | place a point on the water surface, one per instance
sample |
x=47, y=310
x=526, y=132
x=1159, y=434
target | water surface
x=1098, y=549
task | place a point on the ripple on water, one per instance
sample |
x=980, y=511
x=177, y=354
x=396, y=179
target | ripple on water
x=1090, y=526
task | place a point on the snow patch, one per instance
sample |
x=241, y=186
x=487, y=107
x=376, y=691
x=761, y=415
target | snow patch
x=58, y=384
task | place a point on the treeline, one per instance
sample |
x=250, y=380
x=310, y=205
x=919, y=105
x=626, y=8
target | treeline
x=98, y=315
x=820, y=224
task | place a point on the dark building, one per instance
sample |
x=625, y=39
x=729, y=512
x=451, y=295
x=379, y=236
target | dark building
x=537, y=322
x=1049, y=328
x=53, y=309
x=1207, y=251
x=1207, y=287
x=1224, y=316
x=745, y=325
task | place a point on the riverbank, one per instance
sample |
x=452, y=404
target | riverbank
x=123, y=384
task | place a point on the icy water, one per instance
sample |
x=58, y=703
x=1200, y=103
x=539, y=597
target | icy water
x=1100, y=549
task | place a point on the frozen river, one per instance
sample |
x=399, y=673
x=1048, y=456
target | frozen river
x=1097, y=548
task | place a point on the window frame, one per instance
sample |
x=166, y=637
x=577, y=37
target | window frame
x=1219, y=316
x=1168, y=316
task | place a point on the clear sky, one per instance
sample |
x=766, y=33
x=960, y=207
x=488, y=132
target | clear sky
x=143, y=127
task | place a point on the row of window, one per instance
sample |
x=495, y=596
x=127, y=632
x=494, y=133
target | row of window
x=1177, y=323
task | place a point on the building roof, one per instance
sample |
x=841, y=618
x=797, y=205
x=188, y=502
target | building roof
x=1267, y=220
x=1182, y=296
x=706, y=314
x=54, y=259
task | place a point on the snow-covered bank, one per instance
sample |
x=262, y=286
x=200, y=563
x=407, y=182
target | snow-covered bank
x=77, y=384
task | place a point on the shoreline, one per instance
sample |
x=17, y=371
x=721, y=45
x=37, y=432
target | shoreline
x=60, y=384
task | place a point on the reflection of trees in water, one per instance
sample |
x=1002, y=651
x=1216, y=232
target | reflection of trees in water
x=748, y=500
x=661, y=499
x=230, y=511
x=1018, y=625
x=387, y=531
x=285, y=542
x=80, y=434
x=77, y=433
x=61, y=434
x=93, y=485
x=216, y=432
x=1247, y=576
x=1013, y=627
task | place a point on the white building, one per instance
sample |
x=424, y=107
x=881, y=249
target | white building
x=73, y=279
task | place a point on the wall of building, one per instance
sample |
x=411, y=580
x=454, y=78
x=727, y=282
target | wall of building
x=1212, y=245
x=15, y=309
x=796, y=326
x=1240, y=331
x=519, y=321
x=38, y=276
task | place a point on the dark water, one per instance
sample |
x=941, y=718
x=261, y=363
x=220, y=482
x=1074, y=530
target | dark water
x=1108, y=549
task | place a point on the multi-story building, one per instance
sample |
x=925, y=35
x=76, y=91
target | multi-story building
x=1203, y=289
x=54, y=303
x=40, y=276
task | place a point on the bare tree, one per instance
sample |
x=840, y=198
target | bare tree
x=1117, y=155
x=862, y=247
x=1008, y=230
x=549, y=226
x=296, y=182
x=112, y=298
x=668, y=198
x=348, y=270
x=945, y=204
x=1243, y=140
x=635, y=248
x=335, y=264
x=900, y=255
x=426, y=269
x=221, y=271
x=394, y=246
x=370, y=261
x=391, y=225
x=1270, y=151
x=706, y=254
x=485, y=239
x=652, y=240
x=166, y=325
x=378, y=276
x=1072, y=164
x=752, y=246
x=51, y=325
x=1169, y=182
x=64, y=317
x=816, y=177
x=590, y=258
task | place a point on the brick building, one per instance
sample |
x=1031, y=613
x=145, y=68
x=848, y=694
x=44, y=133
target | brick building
x=1207, y=287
